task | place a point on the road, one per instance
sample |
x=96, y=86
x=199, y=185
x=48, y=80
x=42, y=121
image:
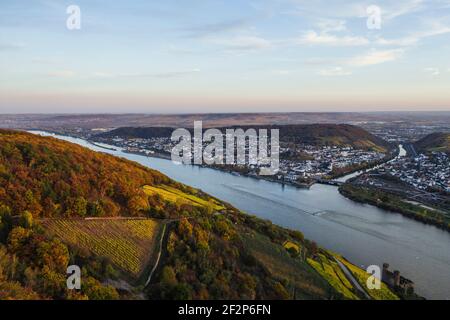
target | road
x=410, y=149
x=349, y=275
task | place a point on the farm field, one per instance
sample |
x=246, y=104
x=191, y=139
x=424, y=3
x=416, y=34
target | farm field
x=128, y=243
x=173, y=195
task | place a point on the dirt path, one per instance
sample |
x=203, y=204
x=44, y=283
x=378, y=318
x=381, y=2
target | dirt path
x=158, y=258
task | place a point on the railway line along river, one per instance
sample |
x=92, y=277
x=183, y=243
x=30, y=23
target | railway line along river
x=364, y=234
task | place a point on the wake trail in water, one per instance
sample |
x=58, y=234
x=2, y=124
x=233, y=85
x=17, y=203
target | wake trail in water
x=273, y=201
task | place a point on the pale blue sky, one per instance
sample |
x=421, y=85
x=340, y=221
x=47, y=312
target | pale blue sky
x=224, y=56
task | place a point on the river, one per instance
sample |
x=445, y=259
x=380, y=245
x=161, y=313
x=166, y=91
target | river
x=364, y=234
x=401, y=153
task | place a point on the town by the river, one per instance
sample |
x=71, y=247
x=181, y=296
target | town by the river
x=364, y=234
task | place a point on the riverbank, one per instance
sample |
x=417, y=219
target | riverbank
x=335, y=177
x=297, y=184
x=301, y=185
x=158, y=155
x=365, y=166
x=364, y=234
x=390, y=203
x=395, y=204
x=101, y=146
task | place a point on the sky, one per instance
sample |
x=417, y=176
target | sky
x=210, y=56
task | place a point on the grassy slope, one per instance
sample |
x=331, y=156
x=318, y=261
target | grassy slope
x=303, y=281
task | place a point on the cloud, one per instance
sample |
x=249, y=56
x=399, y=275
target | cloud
x=354, y=9
x=282, y=72
x=334, y=72
x=215, y=28
x=173, y=49
x=314, y=38
x=167, y=74
x=243, y=43
x=326, y=8
x=62, y=74
x=374, y=57
x=45, y=61
x=331, y=25
x=11, y=46
x=435, y=29
x=432, y=71
x=319, y=61
x=103, y=75
x=175, y=74
x=400, y=42
x=401, y=8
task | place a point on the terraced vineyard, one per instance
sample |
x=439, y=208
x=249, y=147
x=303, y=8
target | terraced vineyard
x=173, y=195
x=383, y=294
x=128, y=243
x=304, y=283
x=331, y=271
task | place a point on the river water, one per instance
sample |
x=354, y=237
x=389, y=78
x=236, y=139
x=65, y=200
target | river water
x=364, y=234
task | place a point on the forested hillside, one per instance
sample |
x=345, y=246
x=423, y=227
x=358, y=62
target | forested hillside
x=44, y=178
x=209, y=249
x=312, y=134
x=434, y=142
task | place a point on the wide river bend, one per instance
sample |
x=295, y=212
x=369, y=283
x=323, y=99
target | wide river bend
x=364, y=234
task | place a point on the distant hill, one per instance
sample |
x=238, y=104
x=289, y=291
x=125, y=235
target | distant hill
x=333, y=135
x=137, y=132
x=55, y=122
x=434, y=142
x=313, y=134
x=63, y=204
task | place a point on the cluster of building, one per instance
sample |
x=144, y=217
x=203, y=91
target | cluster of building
x=424, y=172
x=401, y=131
x=312, y=162
x=321, y=161
x=149, y=146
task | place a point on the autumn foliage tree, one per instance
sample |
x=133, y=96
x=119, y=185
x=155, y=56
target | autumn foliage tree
x=49, y=178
